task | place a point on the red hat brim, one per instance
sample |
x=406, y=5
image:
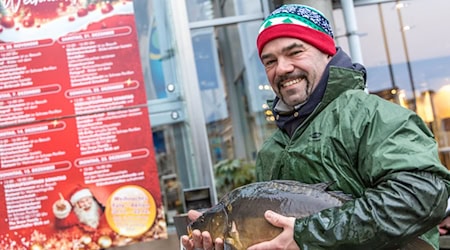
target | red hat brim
x=318, y=39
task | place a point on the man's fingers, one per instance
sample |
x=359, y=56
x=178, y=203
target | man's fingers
x=218, y=244
x=274, y=218
x=187, y=244
x=197, y=238
x=207, y=241
x=193, y=214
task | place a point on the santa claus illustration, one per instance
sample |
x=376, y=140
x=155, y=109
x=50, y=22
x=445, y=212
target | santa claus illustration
x=83, y=211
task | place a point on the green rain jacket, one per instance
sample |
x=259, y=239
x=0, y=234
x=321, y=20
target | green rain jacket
x=377, y=151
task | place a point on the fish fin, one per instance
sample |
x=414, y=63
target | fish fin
x=318, y=186
x=323, y=186
x=341, y=195
x=234, y=237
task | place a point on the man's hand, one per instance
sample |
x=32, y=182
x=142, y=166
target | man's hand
x=61, y=204
x=200, y=240
x=444, y=226
x=285, y=240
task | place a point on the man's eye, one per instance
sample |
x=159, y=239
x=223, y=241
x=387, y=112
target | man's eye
x=295, y=52
x=269, y=63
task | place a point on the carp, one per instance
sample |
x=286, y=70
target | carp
x=239, y=220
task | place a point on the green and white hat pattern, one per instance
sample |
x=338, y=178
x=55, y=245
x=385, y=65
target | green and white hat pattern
x=298, y=21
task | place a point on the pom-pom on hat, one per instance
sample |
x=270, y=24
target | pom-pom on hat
x=298, y=21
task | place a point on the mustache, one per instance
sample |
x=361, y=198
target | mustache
x=290, y=76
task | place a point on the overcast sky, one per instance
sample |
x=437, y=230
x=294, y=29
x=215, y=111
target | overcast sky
x=428, y=38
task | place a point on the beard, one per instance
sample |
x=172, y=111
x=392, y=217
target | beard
x=90, y=217
x=294, y=97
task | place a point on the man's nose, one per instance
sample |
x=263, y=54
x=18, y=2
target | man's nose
x=284, y=66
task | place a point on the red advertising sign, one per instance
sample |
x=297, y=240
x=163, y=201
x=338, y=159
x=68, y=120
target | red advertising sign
x=77, y=167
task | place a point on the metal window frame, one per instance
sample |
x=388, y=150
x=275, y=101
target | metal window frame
x=201, y=173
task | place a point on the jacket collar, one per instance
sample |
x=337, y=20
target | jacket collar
x=341, y=79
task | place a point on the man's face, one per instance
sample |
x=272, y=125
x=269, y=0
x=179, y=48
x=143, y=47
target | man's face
x=293, y=68
x=85, y=203
x=88, y=212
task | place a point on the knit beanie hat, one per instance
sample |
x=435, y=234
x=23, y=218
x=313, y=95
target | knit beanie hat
x=297, y=21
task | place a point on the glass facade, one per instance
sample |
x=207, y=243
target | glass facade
x=406, y=55
x=174, y=127
x=207, y=89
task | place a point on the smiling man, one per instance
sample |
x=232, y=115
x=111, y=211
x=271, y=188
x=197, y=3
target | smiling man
x=332, y=131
